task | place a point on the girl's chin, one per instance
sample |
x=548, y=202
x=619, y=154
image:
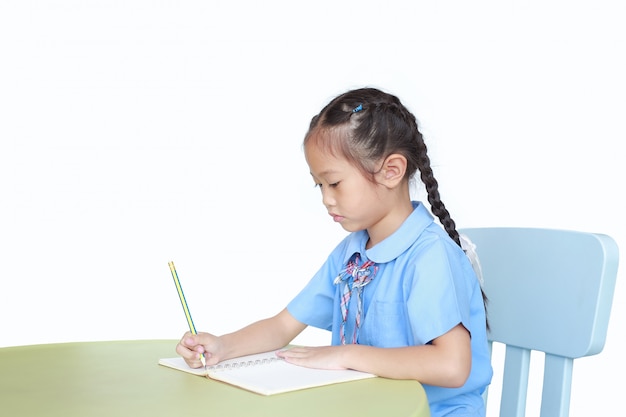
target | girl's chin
x=350, y=227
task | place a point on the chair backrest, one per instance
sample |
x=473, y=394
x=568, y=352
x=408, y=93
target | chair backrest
x=549, y=291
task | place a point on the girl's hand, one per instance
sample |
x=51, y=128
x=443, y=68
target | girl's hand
x=191, y=347
x=320, y=357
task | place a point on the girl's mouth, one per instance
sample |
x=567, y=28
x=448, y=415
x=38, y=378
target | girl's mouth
x=337, y=218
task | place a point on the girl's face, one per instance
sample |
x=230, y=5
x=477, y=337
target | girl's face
x=351, y=199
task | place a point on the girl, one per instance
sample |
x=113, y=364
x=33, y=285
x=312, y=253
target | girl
x=398, y=293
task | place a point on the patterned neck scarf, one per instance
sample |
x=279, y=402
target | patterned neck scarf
x=354, y=277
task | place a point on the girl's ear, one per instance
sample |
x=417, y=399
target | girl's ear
x=393, y=170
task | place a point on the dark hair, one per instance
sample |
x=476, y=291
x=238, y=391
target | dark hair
x=373, y=125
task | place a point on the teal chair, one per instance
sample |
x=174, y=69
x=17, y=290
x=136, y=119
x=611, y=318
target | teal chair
x=549, y=291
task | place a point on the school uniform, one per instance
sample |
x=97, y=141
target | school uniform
x=423, y=285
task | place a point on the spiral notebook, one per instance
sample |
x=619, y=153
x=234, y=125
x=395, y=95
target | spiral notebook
x=267, y=374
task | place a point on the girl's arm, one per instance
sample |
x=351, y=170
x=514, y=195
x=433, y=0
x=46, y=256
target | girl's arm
x=264, y=335
x=446, y=362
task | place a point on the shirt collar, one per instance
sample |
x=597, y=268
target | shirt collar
x=396, y=243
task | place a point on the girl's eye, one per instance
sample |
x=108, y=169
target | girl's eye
x=333, y=185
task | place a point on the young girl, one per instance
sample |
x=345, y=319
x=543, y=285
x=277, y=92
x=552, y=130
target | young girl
x=398, y=293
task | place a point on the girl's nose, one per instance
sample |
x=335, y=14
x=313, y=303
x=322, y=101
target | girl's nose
x=327, y=198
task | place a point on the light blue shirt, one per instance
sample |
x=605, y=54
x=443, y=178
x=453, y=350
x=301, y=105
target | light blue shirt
x=424, y=286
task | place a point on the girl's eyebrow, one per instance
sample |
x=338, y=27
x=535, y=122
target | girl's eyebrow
x=326, y=172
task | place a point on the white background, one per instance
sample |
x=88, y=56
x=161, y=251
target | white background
x=134, y=132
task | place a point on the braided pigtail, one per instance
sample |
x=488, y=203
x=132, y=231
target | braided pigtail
x=422, y=162
x=432, y=189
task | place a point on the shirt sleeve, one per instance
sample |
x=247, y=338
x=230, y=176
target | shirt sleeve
x=314, y=304
x=439, y=294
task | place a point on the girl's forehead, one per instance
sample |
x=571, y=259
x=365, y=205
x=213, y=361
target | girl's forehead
x=330, y=141
x=319, y=153
x=322, y=161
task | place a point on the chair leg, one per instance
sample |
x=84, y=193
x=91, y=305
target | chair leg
x=557, y=386
x=515, y=382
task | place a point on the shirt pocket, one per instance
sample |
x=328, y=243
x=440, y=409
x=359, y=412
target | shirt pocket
x=386, y=325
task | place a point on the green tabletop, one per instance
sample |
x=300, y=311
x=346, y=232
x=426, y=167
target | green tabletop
x=122, y=378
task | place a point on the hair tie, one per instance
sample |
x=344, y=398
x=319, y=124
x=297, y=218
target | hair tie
x=357, y=108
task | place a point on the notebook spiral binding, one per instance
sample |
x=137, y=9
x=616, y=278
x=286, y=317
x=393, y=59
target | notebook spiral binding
x=243, y=364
